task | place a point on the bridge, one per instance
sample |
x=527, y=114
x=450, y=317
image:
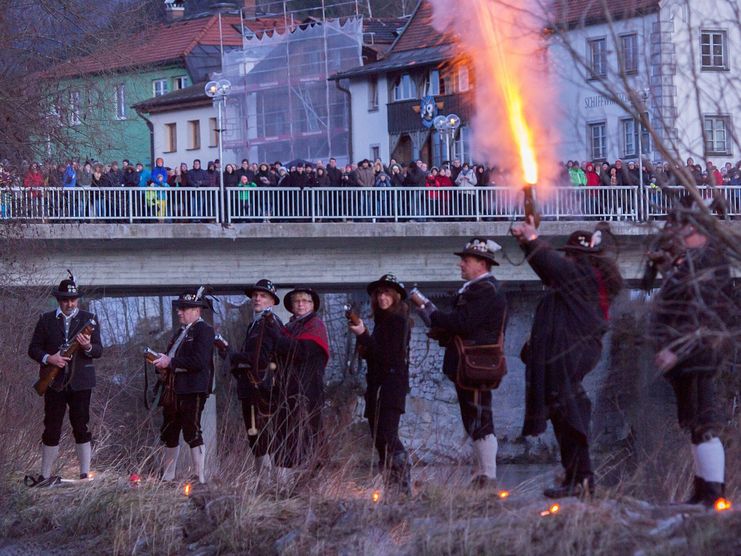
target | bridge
x=331, y=242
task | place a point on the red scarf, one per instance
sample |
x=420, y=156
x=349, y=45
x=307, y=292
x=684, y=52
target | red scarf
x=309, y=328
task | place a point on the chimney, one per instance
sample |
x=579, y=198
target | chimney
x=250, y=9
x=175, y=9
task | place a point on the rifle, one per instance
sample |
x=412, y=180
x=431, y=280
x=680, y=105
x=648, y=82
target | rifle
x=351, y=314
x=530, y=207
x=48, y=373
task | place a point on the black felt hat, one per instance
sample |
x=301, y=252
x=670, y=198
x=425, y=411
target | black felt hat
x=67, y=288
x=191, y=299
x=314, y=297
x=582, y=241
x=263, y=285
x=482, y=248
x=387, y=281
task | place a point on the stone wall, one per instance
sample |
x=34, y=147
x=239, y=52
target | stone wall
x=431, y=427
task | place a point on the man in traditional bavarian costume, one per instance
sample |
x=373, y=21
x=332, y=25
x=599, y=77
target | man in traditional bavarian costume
x=302, y=350
x=478, y=318
x=692, y=326
x=254, y=367
x=188, y=366
x=74, y=383
x=565, y=344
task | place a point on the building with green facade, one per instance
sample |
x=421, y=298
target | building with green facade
x=95, y=95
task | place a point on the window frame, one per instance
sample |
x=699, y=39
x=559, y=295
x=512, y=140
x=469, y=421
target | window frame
x=593, y=154
x=213, y=132
x=727, y=132
x=402, y=82
x=120, y=95
x=725, y=63
x=373, y=96
x=165, y=87
x=73, y=114
x=171, y=137
x=645, y=138
x=634, y=58
x=591, y=56
x=375, y=151
x=194, y=135
x=178, y=82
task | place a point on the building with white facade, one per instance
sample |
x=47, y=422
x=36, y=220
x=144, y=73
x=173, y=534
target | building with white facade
x=678, y=58
x=681, y=56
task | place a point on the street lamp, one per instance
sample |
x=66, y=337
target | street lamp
x=447, y=127
x=218, y=90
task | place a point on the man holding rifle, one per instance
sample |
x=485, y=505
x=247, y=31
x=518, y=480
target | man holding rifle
x=186, y=371
x=74, y=380
x=477, y=318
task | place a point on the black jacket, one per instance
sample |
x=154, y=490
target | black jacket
x=335, y=176
x=697, y=296
x=193, y=362
x=387, y=354
x=48, y=336
x=477, y=316
x=565, y=341
x=257, y=349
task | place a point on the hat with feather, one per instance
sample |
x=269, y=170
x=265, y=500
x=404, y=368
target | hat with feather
x=482, y=248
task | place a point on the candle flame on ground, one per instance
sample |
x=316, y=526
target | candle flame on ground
x=513, y=99
x=553, y=509
x=376, y=496
x=187, y=489
x=504, y=494
x=722, y=505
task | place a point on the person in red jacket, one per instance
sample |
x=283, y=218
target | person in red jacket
x=34, y=180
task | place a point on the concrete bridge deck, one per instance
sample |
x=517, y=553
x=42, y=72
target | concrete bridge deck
x=165, y=257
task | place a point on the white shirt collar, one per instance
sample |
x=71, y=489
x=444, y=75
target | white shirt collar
x=467, y=284
x=73, y=315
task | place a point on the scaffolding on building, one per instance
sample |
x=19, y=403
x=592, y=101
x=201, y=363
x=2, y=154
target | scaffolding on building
x=281, y=105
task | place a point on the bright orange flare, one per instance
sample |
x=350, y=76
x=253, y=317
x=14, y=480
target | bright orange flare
x=722, y=505
x=554, y=509
x=514, y=104
x=186, y=489
x=504, y=494
x=376, y=496
x=499, y=67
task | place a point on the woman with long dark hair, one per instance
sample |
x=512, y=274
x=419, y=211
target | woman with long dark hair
x=387, y=353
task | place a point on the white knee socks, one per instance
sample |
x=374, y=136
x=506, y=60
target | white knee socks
x=83, y=456
x=198, y=455
x=48, y=457
x=486, y=455
x=169, y=463
x=710, y=460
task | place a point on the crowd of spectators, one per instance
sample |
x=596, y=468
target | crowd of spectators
x=435, y=183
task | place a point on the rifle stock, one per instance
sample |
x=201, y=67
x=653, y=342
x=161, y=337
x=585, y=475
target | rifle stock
x=48, y=373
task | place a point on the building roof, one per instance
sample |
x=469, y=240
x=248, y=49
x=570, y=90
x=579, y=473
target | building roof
x=378, y=30
x=419, y=31
x=165, y=42
x=192, y=96
x=573, y=13
x=420, y=43
x=399, y=60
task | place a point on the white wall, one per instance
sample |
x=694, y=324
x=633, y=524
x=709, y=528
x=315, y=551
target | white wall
x=369, y=127
x=183, y=153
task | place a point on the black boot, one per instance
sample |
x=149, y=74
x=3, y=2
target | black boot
x=698, y=493
x=712, y=492
x=579, y=488
x=399, y=475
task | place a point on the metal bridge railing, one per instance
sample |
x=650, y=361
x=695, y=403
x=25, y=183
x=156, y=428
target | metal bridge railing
x=359, y=204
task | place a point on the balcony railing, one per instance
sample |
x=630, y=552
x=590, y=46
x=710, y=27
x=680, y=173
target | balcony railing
x=386, y=204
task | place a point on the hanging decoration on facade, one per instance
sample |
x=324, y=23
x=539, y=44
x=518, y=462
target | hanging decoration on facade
x=428, y=110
